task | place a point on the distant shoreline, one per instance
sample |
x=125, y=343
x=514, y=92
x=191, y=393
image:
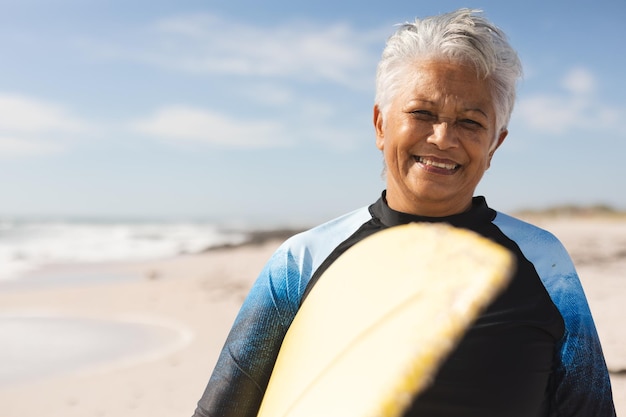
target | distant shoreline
x=573, y=211
x=258, y=238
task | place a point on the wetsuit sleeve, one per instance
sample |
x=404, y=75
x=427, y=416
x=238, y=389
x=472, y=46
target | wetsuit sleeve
x=244, y=366
x=580, y=384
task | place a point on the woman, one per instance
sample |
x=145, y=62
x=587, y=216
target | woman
x=445, y=92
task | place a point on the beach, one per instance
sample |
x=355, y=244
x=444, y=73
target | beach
x=140, y=339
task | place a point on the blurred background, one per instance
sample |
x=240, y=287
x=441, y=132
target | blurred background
x=132, y=131
x=138, y=128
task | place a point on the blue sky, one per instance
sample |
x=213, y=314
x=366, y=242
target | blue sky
x=260, y=112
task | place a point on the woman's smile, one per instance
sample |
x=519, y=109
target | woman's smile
x=436, y=165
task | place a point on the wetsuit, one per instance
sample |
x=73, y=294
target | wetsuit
x=533, y=352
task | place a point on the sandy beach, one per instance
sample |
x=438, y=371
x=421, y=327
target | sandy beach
x=144, y=342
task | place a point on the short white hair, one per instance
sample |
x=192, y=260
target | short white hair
x=464, y=36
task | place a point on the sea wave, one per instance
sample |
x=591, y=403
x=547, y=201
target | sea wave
x=26, y=245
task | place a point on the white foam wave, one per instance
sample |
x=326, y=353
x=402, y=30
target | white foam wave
x=27, y=245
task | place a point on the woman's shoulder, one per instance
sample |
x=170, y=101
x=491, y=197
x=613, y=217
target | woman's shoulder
x=331, y=232
x=523, y=231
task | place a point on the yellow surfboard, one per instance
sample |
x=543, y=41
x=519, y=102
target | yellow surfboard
x=374, y=329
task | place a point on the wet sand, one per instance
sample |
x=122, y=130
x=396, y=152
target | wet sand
x=44, y=346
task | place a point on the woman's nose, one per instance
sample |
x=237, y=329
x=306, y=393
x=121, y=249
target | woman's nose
x=443, y=136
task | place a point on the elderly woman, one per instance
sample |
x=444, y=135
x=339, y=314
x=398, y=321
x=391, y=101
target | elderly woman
x=445, y=92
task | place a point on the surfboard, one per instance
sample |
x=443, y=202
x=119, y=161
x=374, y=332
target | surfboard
x=374, y=329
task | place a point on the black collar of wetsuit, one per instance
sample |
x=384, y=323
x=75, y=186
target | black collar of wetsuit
x=383, y=217
x=477, y=214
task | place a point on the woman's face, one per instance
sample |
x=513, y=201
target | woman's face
x=437, y=138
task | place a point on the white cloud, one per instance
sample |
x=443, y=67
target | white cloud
x=579, y=81
x=309, y=122
x=11, y=147
x=563, y=114
x=577, y=108
x=189, y=124
x=30, y=126
x=551, y=114
x=207, y=44
x=29, y=115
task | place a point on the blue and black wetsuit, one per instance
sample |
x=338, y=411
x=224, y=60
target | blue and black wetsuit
x=533, y=352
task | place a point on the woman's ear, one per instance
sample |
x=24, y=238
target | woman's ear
x=378, y=126
x=499, y=140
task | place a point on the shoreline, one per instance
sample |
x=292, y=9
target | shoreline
x=199, y=295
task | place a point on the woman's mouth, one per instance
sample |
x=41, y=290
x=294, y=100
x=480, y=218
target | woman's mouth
x=439, y=166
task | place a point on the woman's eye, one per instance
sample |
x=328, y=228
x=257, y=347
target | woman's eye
x=423, y=114
x=471, y=123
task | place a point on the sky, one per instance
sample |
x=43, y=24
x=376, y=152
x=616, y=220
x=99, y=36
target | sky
x=261, y=111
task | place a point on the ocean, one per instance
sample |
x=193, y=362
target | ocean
x=26, y=245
